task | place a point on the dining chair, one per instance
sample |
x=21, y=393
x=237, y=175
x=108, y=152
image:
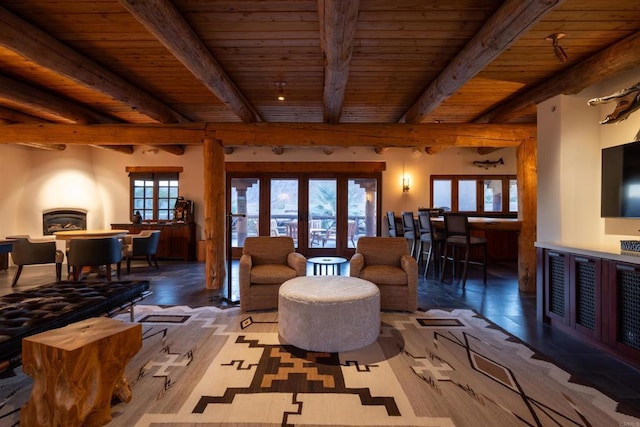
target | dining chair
x=430, y=236
x=30, y=251
x=143, y=244
x=93, y=252
x=458, y=235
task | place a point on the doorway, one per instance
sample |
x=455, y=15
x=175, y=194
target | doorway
x=325, y=213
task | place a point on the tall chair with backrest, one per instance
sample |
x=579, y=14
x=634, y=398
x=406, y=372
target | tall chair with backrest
x=143, y=244
x=458, y=235
x=409, y=232
x=430, y=236
x=392, y=225
x=28, y=251
x=93, y=252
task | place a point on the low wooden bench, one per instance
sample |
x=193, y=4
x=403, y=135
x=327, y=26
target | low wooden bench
x=46, y=307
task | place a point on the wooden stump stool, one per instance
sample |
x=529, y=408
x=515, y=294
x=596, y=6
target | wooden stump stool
x=76, y=371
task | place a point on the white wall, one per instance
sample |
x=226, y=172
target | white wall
x=95, y=179
x=570, y=140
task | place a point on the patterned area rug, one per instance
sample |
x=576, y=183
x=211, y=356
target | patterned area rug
x=208, y=366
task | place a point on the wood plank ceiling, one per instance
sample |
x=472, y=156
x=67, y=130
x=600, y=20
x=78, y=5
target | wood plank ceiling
x=412, y=62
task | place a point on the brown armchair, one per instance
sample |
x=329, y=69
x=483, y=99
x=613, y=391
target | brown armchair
x=386, y=262
x=266, y=263
x=28, y=251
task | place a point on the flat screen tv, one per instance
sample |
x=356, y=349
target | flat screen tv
x=621, y=181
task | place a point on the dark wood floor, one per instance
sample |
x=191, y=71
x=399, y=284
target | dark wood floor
x=499, y=301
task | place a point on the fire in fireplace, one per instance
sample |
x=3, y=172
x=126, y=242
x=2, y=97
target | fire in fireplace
x=63, y=220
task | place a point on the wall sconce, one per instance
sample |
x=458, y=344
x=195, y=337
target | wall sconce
x=405, y=181
x=405, y=184
x=281, y=86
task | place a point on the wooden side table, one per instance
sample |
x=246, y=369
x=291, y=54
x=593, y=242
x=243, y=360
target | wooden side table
x=77, y=370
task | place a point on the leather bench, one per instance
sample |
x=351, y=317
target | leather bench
x=56, y=305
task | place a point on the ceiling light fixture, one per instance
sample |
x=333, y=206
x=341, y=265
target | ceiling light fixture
x=557, y=49
x=281, y=86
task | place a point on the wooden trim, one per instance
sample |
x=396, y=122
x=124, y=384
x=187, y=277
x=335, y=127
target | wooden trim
x=297, y=167
x=154, y=169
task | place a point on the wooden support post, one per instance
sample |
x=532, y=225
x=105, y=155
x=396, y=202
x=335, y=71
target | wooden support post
x=214, y=208
x=527, y=158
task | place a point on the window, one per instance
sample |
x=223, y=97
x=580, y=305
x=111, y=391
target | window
x=475, y=193
x=154, y=194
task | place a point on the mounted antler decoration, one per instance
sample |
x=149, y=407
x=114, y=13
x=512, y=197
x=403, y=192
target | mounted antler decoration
x=628, y=101
x=488, y=163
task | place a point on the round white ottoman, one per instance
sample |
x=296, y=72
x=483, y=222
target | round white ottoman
x=328, y=313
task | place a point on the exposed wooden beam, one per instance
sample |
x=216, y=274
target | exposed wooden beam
x=9, y=116
x=319, y=135
x=501, y=30
x=13, y=116
x=117, y=134
x=620, y=57
x=124, y=149
x=164, y=21
x=376, y=135
x=433, y=150
x=338, y=22
x=178, y=150
x=483, y=151
x=37, y=99
x=23, y=38
x=48, y=147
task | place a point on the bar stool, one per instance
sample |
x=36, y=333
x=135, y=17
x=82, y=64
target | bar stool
x=432, y=237
x=458, y=235
x=391, y=224
x=409, y=232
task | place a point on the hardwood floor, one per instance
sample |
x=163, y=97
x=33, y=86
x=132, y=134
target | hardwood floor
x=177, y=283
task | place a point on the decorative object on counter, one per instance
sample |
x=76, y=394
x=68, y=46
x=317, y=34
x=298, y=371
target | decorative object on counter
x=630, y=247
x=137, y=218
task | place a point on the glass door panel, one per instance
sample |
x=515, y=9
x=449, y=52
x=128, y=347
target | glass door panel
x=322, y=218
x=362, y=196
x=284, y=208
x=245, y=209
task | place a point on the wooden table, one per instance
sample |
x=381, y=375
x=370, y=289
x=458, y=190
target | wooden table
x=88, y=234
x=485, y=223
x=77, y=370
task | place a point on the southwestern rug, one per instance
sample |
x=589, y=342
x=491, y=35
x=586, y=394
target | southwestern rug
x=208, y=366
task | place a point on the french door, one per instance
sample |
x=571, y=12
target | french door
x=324, y=214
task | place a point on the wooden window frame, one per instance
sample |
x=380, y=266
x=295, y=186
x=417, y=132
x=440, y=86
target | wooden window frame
x=479, y=211
x=155, y=174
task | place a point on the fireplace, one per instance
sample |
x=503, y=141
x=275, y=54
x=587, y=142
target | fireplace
x=63, y=220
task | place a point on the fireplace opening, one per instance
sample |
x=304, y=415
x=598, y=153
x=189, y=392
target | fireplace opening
x=63, y=220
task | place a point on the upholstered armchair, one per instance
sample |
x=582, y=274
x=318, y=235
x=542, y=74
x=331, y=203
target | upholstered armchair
x=28, y=251
x=143, y=244
x=265, y=264
x=95, y=252
x=386, y=262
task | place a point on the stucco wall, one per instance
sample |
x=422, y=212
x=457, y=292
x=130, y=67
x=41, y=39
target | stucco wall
x=570, y=140
x=95, y=179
